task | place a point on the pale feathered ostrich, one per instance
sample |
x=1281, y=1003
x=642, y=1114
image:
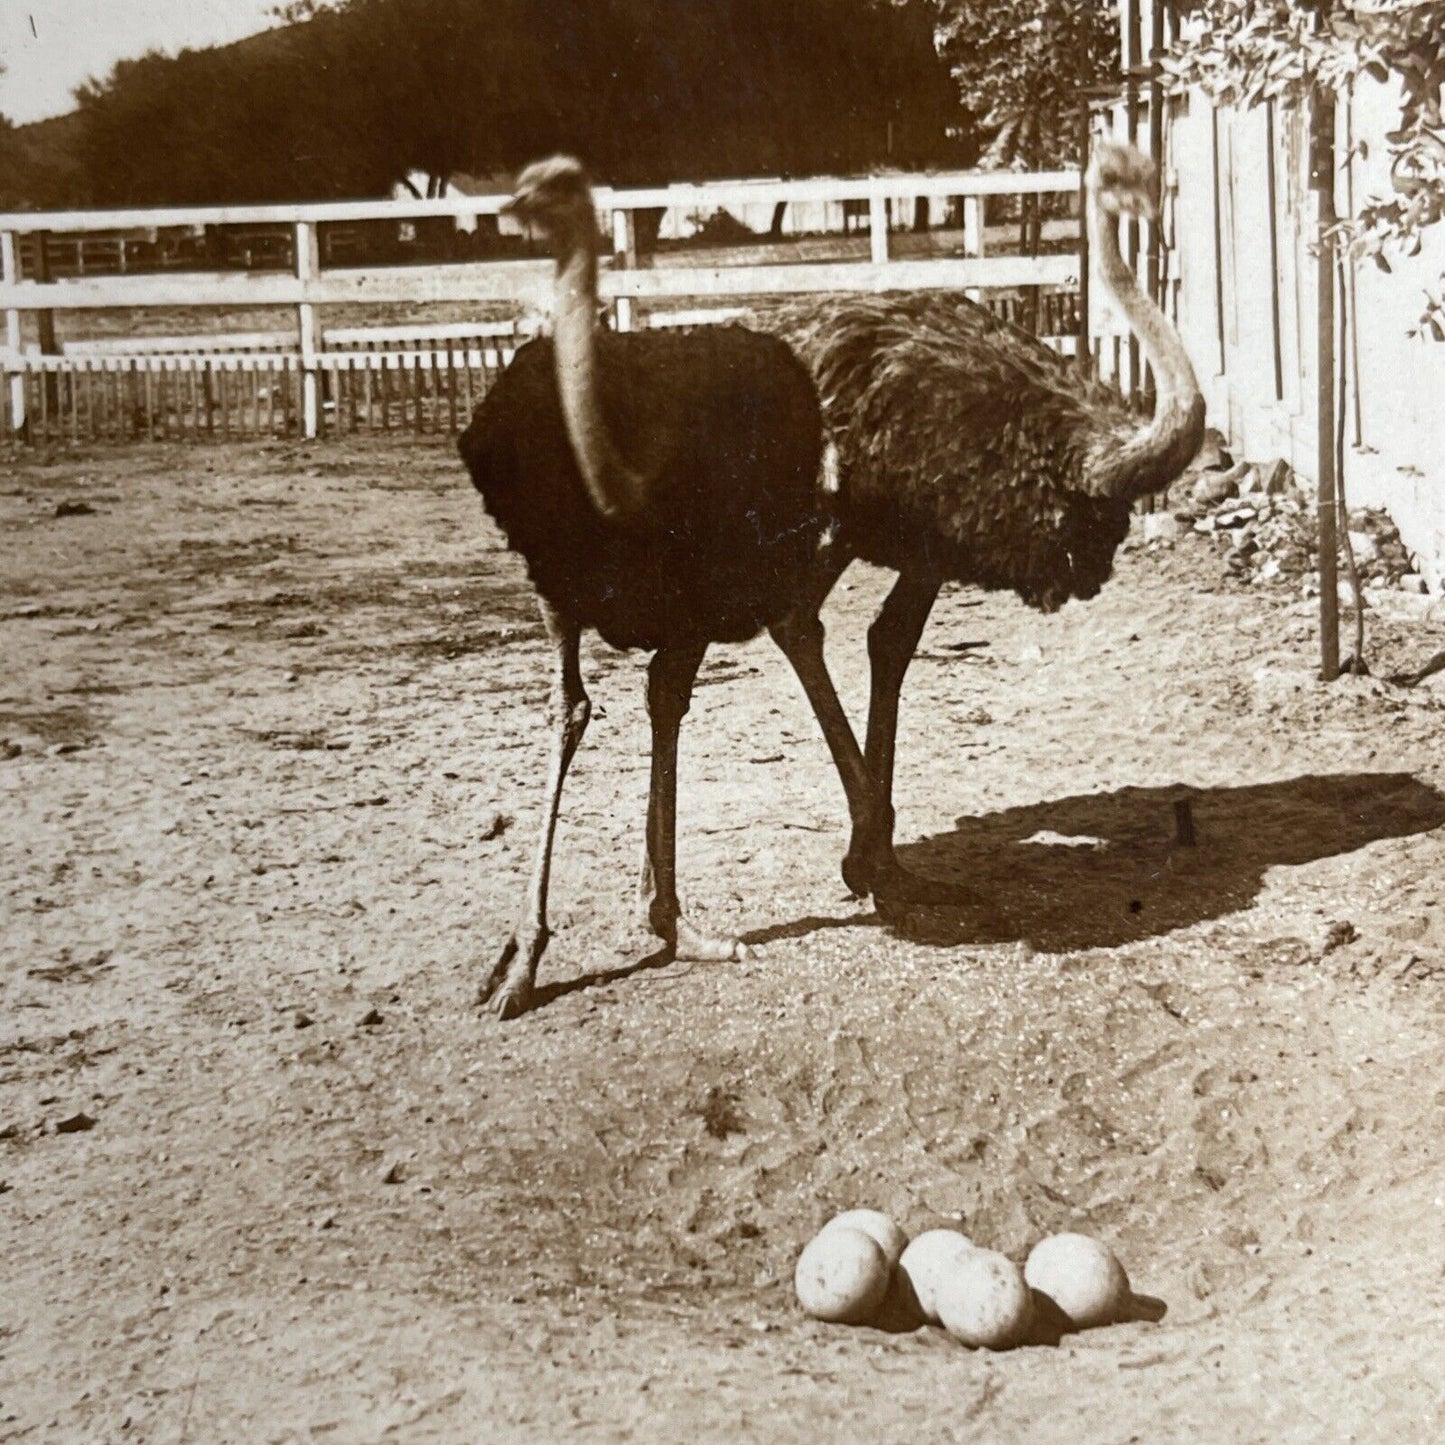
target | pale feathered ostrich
x=662, y=488
x=970, y=451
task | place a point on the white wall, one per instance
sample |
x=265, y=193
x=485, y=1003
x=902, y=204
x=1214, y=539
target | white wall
x=1258, y=369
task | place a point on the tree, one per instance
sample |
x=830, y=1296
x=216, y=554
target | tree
x=1021, y=67
x=353, y=96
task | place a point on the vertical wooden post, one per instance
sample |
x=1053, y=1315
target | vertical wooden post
x=624, y=256
x=1132, y=47
x=1272, y=199
x=878, y=229
x=1155, y=232
x=45, y=320
x=308, y=267
x=1322, y=182
x=1085, y=354
x=10, y=270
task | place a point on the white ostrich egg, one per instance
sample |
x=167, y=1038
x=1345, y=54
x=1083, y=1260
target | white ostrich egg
x=1082, y=1276
x=842, y=1276
x=926, y=1260
x=876, y=1225
x=984, y=1301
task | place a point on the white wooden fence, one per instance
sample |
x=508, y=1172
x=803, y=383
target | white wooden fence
x=426, y=378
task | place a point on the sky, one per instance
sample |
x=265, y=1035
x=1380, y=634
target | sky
x=48, y=47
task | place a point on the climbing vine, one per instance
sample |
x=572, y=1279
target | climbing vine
x=1242, y=52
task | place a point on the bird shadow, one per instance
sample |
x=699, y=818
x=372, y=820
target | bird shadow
x=1100, y=870
x=548, y=993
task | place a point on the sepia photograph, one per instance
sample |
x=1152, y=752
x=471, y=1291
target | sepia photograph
x=722, y=721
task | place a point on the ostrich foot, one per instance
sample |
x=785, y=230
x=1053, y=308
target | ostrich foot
x=691, y=945
x=888, y=881
x=508, y=988
x=892, y=883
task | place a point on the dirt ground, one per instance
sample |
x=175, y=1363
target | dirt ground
x=274, y=723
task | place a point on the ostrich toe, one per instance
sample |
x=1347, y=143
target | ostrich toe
x=508, y=988
x=694, y=946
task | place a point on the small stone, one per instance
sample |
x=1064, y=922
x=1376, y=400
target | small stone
x=1161, y=527
x=396, y=1174
x=1276, y=476
x=9, y=750
x=1204, y=524
x=371, y=1019
x=1364, y=546
x=1213, y=454
x=75, y=509
x=1215, y=487
x=303, y=1020
x=75, y=1124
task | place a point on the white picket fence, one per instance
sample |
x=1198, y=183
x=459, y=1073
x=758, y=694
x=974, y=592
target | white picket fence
x=315, y=379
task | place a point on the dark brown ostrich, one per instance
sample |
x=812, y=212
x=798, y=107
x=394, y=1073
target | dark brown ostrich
x=970, y=451
x=663, y=489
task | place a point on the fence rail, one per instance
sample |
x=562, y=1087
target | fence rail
x=317, y=380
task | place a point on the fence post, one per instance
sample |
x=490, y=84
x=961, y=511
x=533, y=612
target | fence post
x=308, y=267
x=973, y=235
x=10, y=268
x=624, y=255
x=878, y=228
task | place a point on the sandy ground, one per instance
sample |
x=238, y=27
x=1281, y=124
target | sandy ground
x=275, y=723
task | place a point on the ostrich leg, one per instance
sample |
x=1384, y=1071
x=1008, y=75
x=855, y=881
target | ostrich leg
x=670, y=677
x=800, y=636
x=869, y=865
x=892, y=640
x=509, y=987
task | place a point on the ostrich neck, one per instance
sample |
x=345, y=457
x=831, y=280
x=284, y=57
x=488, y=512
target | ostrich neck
x=1130, y=466
x=614, y=488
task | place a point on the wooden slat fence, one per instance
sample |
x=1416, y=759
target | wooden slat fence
x=426, y=379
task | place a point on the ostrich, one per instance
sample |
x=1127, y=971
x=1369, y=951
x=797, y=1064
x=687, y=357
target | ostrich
x=969, y=451
x=663, y=489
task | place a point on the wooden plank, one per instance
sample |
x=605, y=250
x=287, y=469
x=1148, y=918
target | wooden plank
x=308, y=269
x=530, y=283
x=878, y=230
x=234, y=342
x=711, y=194
x=388, y=335
x=9, y=276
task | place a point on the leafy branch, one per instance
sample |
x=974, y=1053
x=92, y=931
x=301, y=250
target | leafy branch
x=1243, y=52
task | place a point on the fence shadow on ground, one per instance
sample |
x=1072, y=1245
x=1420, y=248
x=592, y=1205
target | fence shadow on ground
x=1105, y=869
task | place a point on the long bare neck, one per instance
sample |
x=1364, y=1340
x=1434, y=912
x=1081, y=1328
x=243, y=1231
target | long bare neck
x=615, y=489
x=1131, y=465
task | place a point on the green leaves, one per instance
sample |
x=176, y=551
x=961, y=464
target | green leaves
x=1020, y=65
x=1241, y=52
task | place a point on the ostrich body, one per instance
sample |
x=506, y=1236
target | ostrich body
x=663, y=489
x=970, y=451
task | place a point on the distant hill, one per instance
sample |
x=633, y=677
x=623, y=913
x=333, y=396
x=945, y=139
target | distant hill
x=40, y=166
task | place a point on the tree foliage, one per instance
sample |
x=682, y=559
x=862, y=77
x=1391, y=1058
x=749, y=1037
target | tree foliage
x=352, y=96
x=1245, y=51
x=1020, y=67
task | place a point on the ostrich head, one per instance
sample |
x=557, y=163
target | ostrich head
x=555, y=196
x=1123, y=180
